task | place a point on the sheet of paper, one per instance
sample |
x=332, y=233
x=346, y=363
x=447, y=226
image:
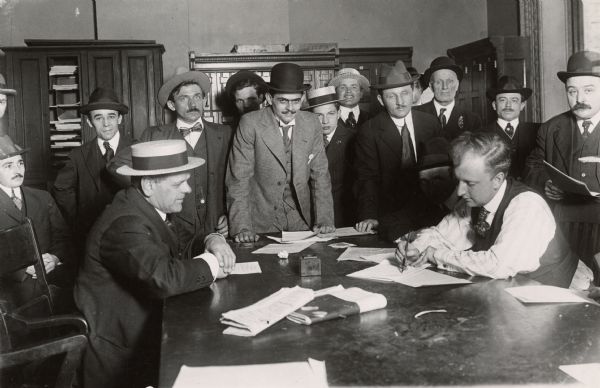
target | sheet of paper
x=349, y=231
x=299, y=237
x=246, y=268
x=376, y=255
x=545, y=294
x=311, y=373
x=273, y=249
x=589, y=374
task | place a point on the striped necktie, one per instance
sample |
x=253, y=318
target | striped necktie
x=16, y=200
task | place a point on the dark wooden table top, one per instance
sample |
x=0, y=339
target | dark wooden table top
x=486, y=336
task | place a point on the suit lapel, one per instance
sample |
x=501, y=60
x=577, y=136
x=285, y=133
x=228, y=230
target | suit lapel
x=269, y=133
x=8, y=207
x=214, y=144
x=390, y=135
x=300, y=147
x=91, y=154
x=31, y=206
x=563, y=140
x=150, y=212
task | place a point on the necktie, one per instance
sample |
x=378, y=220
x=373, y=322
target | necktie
x=17, y=201
x=284, y=135
x=170, y=224
x=408, y=152
x=586, y=128
x=108, y=155
x=481, y=227
x=510, y=131
x=186, y=131
x=325, y=141
x=351, y=121
x=442, y=117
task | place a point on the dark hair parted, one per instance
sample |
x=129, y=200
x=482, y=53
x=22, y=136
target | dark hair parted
x=177, y=88
x=247, y=82
x=491, y=146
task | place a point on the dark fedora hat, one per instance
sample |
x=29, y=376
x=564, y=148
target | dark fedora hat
x=435, y=154
x=287, y=78
x=102, y=98
x=413, y=71
x=7, y=147
x=183, y=74
x=508, y=84
x=394, y=76
x=440, y=63
x=244, y=75
x=4, y=89
x=581, y=63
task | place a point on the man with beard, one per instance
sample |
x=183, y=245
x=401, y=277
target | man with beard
x=350, y=86
x=247, y=91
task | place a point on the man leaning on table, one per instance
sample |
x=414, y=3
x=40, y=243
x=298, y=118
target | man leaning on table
x=132, y=263
x=500, y=227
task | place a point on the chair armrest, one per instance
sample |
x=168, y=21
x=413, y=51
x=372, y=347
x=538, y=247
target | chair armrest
x=75, y=344
x=53, y=321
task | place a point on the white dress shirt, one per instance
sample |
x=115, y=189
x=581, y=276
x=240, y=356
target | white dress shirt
x=594, y=119
x=345, y=111
x=291, y=125
x=330, y=136
x=114, y=143
x=503, y=123
x=411, y=128
x=448, y=108
x=193, y=137
x=9, y=191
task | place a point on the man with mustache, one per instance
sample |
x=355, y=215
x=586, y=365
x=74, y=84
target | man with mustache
x=389, y=147
x=278, y=177
x=509, y=100
x=246, y=90
x=350, y=86
x=570, y=142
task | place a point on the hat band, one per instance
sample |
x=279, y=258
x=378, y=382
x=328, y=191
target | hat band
x=147, y=163
x=322, y=99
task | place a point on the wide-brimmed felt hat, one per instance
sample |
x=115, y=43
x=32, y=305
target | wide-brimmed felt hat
x=183, y=74
x=321, y=96
x=435, y=154
x=102, y=98
x=159, y=157
x=348, y=72
x=4, y=89
x=413, y=71
x=581, y=63
x=7, y=147
x=508, y=84
x=440, y=63
x=243, y=75
x=287, y=77
x=394, y=76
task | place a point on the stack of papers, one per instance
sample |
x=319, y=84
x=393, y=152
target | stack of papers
x=302, y=236
x=349, y=231
x=545, y=294
x=251, y=320
x=246, y=268
x=62, y=70
x=274, y=249
x=309, y=373
x=376, y=255
x=411, y=276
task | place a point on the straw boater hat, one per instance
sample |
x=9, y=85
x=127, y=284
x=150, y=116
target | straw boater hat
x=581, y=63
x=287, y=78
x=243, y=75
x=4, y=89
x=440, y=63
x=349, y=72
x=508, y=84
x=159, y=157
x=321, y=96
x=394, y=76
x=182, y=74
x=8, y=148
x=102, y=98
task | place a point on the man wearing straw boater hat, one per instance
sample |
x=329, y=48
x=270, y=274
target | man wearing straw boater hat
x=83, y=187
x=509, y=100
x=443, y=77
x=350, y=86
x=389, y=146
x=185, y=94
x=339, y=147
x=277, y=178
x=133, y=262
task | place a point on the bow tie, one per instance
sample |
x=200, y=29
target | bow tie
x=186, y=131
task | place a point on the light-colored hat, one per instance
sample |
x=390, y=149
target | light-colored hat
x=322, y=96
x=159, y=157
x=349, y=72
x=3, y=88
x=182, y=74
x=394, y=76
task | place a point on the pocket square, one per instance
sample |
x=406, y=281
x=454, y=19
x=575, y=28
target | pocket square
x=310, y=157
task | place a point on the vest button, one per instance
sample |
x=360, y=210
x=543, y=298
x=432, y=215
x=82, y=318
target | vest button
x=583, y=174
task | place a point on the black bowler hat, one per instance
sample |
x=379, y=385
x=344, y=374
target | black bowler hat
x=243, y=75
x=508, y=84
x=581, y=63
x=435, y=154
x=287, y=78
x=102, y=98
x=440, y=63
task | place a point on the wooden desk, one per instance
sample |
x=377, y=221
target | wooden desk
x=486, y=337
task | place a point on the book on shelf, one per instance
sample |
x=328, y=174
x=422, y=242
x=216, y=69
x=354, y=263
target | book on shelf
x=66, y=106
x=59, y=137
x=71, y=120
x=67, y=126
x=65, y=144
x=65, y=87
x=62, y=70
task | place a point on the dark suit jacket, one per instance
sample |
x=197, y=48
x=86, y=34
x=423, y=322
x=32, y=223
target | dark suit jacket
x=340, y=156
x=363, y=117
x=382, y=185
x=131, y=264
x=218, y=138
x=461, y=120
x=522, y=144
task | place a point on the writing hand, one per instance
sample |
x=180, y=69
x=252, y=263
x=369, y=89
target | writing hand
x=223, y=226
x=553, y=192
x=246, y=236
x=367, y=225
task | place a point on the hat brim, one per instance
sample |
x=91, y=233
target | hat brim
x=11, y=92
x=565, y=75
x=193, y=162
x=396, y=85
x=524, y=92
x=123, y=109
x=362, y=80
x=14, y=153
x=434, y=161
x=192, y=75
x=455, y=68
x=324, y=103
x=304, y=88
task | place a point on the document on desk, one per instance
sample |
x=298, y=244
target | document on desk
x=300, y=236
x=588, y=374
x=273, y=249
x=246, y=268
x=411, y=276
x=376, y=255
x=546, y=294
x=302, y=374
x=350, y=231
x=251, y=320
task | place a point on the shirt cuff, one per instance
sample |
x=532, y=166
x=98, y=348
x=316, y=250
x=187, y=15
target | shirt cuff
x=213, y=235
x=212, y=262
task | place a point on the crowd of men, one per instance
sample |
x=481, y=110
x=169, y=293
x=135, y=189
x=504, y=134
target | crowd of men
x=155, y=213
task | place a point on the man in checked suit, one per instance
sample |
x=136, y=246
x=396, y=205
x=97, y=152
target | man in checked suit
x=388, y=147
x=278, y=176
x=185, y=94
x=83, y=187
x=508, y=100
x=443, y=77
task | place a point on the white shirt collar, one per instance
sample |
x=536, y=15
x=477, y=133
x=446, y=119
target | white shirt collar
x=503, y=123
x=8, y=191
x=162, y=214
x=114, y=143
x=182, y=124
x=448, y=108
x=330, y=136
x=345, y=111
x=492, y=205
x=594, y=119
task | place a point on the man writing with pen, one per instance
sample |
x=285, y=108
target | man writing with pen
x=499, y=228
